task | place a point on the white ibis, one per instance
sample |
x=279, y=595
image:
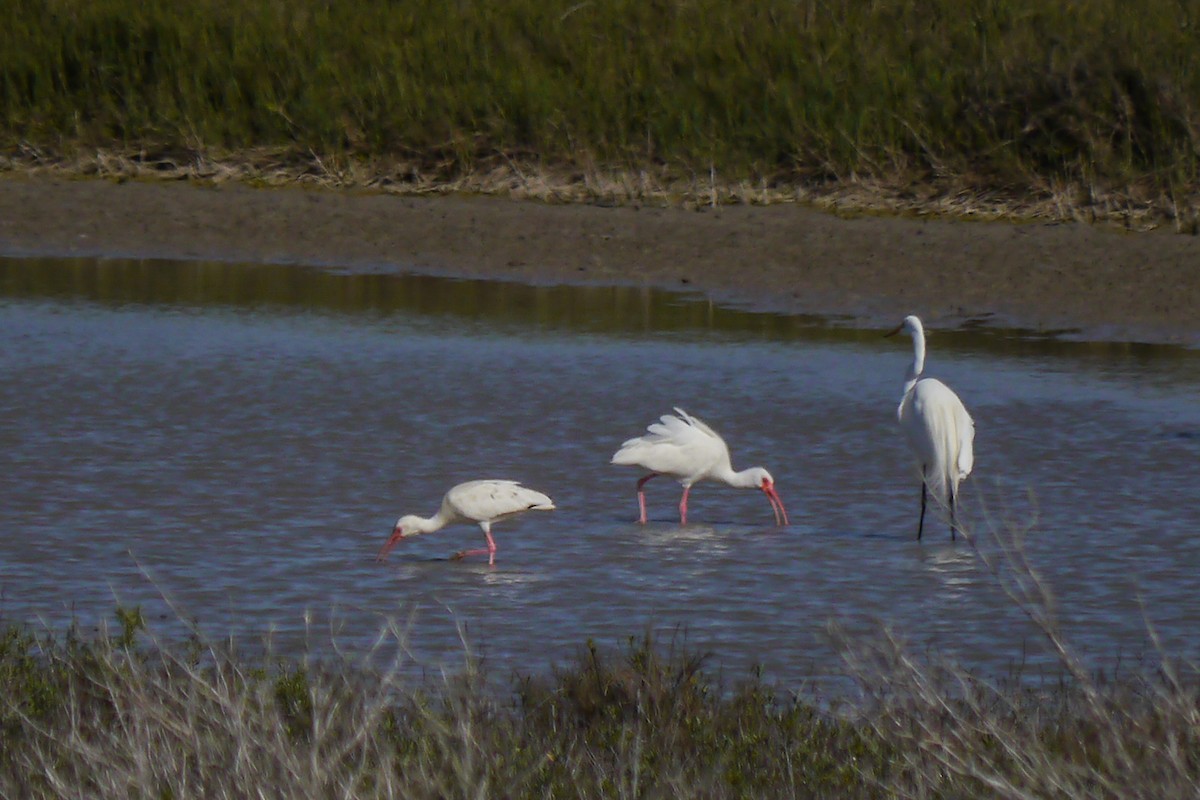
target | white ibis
x=937, y=426
x=481, y=502
x=686, y=449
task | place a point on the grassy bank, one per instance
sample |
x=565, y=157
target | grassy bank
x=1092, y=105
x=116, y=716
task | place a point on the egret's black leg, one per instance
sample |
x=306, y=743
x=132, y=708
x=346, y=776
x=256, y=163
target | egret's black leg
x=953, y=522
x=921, y=522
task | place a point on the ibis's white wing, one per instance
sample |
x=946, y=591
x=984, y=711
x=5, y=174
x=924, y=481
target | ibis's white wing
x=494, y=499
x=682, y=446
x=697, y=423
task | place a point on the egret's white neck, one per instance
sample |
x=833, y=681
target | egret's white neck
x=918, y=362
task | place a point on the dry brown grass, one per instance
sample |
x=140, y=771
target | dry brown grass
x=959, y=198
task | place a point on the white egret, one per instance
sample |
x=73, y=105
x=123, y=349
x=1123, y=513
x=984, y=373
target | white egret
x=937, y=426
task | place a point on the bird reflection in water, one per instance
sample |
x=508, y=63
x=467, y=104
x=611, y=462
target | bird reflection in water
x=954, y=568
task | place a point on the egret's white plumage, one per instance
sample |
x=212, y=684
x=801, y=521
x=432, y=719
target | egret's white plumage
x=481, y=502
x=688, y=450
x=937, y=427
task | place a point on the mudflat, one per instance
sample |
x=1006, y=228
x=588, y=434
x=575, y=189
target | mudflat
x=1095, y=281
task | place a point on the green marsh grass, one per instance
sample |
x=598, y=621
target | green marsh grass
x=1008, y=96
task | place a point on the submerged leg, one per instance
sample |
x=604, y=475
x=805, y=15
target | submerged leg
x=490, y=549
x=921, y=522
x=642, y=497
x=683, y=506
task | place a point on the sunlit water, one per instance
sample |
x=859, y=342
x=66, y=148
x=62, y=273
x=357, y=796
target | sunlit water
x=231, y=444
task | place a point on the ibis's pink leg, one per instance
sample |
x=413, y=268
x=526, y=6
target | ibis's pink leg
x=683, y=506
x=490, y=549
x=642, y=497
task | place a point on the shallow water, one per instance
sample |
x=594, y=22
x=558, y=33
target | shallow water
x=232, y=443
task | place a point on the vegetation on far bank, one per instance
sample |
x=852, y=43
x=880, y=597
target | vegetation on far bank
x=1089, y=109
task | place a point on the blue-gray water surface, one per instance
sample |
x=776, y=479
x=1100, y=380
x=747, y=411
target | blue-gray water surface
x=231, y=444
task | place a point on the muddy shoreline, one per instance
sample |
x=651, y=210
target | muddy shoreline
x=1089, y=281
